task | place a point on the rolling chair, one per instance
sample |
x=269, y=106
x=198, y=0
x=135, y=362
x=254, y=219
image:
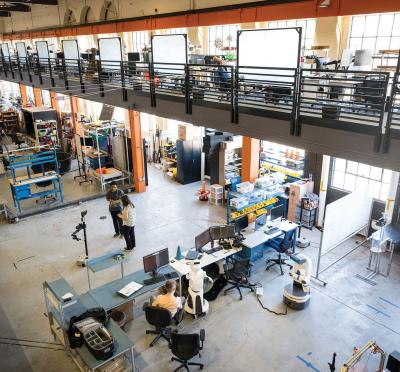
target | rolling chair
x=185, y=347
x=237, y=272
x=161, y=319
x=282, y=245
x=368, y=93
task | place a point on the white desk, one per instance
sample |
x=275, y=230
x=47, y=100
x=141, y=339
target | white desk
x=182, y=267
x=253, y=238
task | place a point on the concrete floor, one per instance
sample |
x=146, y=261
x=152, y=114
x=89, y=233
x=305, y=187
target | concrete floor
x=240, y=335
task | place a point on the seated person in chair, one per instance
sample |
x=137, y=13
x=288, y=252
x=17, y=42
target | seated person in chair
x=223, y=77
x=170, y=302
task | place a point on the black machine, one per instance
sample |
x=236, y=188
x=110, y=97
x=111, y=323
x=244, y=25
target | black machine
x=134, y=57
x=202, y=239
x=241, y=223
x=154, y=261
x=277, y=212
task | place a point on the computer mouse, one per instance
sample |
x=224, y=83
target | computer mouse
x=172, y=261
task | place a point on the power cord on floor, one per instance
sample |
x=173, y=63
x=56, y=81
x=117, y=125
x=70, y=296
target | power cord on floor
x=258, y=295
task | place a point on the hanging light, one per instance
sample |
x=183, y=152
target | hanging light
x=325, y=4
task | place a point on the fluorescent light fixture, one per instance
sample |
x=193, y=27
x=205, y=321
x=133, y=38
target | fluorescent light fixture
x=325, y=4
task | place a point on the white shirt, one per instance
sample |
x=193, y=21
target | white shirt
x=129, y=216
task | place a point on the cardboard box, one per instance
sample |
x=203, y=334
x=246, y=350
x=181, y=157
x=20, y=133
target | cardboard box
x=185, y=132
x=297, y=190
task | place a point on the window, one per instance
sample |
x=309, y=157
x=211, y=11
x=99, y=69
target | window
x=222, y=39
x=308, y=29
x=348, y=175
x=376, y=32
x=140, y=39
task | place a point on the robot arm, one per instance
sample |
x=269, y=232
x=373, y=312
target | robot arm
x=301, y=272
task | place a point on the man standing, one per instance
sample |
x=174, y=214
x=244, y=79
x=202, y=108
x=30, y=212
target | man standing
x=113, y=197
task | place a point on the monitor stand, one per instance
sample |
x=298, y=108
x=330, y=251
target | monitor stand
x=155, y=274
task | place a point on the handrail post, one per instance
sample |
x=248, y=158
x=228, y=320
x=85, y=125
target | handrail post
x=80, y=76
x=378, y=136
x=124, y=91
x=152, y=85
x=295, y=126
x=11, y=67
x=51, y=74
x=28, y=68
x=19, y=69
x=236, y=99
x=188, y=100
x=39, y=72
x=64, y=66
x=232, y=90
x=99, y=77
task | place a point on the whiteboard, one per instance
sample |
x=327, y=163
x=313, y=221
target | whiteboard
x=110, y=53
x=4, y=49
x=43, y=52
x=21, y=50
x=169, y=49
x=71, y=52
x=345, y=217
x=269, y=48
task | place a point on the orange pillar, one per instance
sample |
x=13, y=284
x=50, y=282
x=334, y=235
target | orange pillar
x=37, y=93
x=74, y=116
x=24, y=97
x=137, y=151
x=250, y=158
x=54, y=102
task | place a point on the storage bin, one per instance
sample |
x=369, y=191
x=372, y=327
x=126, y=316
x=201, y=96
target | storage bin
x=245, y=187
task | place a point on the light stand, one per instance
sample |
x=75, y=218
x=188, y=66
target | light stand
x=81, y=261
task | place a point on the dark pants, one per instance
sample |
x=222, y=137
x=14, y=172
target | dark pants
x=116, y=221
x=129, y=235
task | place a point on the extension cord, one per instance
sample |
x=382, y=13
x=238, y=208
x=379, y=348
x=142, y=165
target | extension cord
x=259, y=291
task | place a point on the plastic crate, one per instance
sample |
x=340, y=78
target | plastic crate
x=245, y=187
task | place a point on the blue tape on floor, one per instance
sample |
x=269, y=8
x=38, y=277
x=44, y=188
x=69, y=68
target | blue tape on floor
x=388, y=302
x=378, y=311
x=308, y=364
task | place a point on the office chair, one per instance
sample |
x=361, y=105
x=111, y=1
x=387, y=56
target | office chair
x=185, y=347
x=161, y=319
x=282, y=245
x=237, y=272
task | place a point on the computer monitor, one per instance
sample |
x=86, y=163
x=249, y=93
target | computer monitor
x=222, y=232
x=201, y=240
x=363, y=57
x=260, y=221
x=133, y=57
x=152, y=262
x=241, y=223
x=277, y=212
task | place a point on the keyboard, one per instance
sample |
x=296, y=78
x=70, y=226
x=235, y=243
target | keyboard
x=272, y=230
x=154, y=280
x=171, y=275
x=214, y=250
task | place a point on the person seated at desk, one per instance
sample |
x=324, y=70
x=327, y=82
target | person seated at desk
x=169, y=301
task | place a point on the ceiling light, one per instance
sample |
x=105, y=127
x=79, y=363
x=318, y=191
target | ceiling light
x=325, y=4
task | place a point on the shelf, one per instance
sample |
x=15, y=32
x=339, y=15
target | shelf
x=253, y=208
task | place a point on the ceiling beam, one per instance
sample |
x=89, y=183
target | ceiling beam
x=42, y=2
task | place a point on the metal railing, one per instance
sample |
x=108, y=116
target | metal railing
x=342, y=98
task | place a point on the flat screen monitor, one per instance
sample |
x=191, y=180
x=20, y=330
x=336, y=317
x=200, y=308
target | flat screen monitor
x=134, y=57
x=201, y=240
x=153, y=261
x=222, y=232
x=277, y=212
x=260, y=221
x=241, y=223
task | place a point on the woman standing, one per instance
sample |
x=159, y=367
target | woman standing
x=128, y=216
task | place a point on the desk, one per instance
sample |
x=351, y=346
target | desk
x=253, y=244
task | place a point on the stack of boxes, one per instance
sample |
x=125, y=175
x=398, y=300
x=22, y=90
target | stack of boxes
x=297, y=190
x=216, y=194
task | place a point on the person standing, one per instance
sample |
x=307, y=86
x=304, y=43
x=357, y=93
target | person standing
x=128, y=216
x=113, y=197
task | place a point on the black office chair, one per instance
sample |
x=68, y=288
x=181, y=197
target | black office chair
x=282, y=245
x=237, y=273
x=185, y=347
x=161, y=319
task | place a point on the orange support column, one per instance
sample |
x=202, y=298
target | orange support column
x=24, y=96
x=74, y=116
x=37, y=93
x=250, y=158
x=137, y=151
